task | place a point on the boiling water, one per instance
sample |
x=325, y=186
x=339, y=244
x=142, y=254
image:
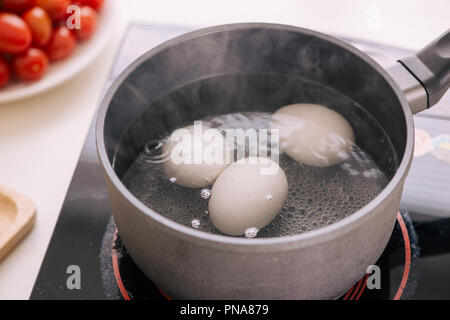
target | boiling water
x=317, y=196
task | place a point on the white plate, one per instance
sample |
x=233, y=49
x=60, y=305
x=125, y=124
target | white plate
x=60, y=72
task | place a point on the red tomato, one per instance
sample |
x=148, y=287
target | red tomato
x=30, y=66
x=61, y=45
x=55, y=8
x=41, y=25
x=4, y=72
x=88, y=23
x=15, y=35
x=17, y=6
x=94, y=4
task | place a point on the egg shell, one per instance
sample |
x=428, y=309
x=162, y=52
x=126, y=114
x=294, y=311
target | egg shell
x=249, y=193
x=195, y=156
x=313, y=134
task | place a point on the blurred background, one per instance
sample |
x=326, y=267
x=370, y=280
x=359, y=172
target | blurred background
x=405, y=23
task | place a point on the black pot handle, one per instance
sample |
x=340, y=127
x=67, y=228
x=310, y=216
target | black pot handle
x=431, y=67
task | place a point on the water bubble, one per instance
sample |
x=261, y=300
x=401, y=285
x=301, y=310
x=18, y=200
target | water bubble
x=251, y=232
x=205, y=193
x=195, y=223
x=153, y=151
x=316, y=194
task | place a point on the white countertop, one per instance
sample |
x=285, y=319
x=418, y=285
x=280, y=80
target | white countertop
x=41, y=138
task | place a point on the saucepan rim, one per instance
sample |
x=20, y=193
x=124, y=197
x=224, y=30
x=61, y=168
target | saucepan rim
x=324, y=233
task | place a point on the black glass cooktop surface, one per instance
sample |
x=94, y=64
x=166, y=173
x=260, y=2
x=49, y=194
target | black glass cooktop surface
x=415, y=264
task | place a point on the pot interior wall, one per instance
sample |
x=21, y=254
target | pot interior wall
x=253, y=68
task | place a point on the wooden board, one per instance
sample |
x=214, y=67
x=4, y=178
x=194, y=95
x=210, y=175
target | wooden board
x=17, y=215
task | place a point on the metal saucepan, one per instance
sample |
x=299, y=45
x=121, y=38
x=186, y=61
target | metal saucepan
x=320, y=264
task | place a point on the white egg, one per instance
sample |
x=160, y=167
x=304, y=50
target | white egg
x=313, y=134
x=247, y=194
x=195, y=155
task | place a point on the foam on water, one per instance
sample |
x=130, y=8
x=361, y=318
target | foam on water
x=317, y=196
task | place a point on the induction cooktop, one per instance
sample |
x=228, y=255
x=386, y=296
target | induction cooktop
x=415, y=264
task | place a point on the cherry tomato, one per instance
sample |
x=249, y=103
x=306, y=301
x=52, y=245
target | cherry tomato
x=40, y=24
x=16, y=6
x=15, y=35
x=61, y=45
x=55, y=8
x=4, y=72
x=94, y=4
x=88, y=23
x=30, y=66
